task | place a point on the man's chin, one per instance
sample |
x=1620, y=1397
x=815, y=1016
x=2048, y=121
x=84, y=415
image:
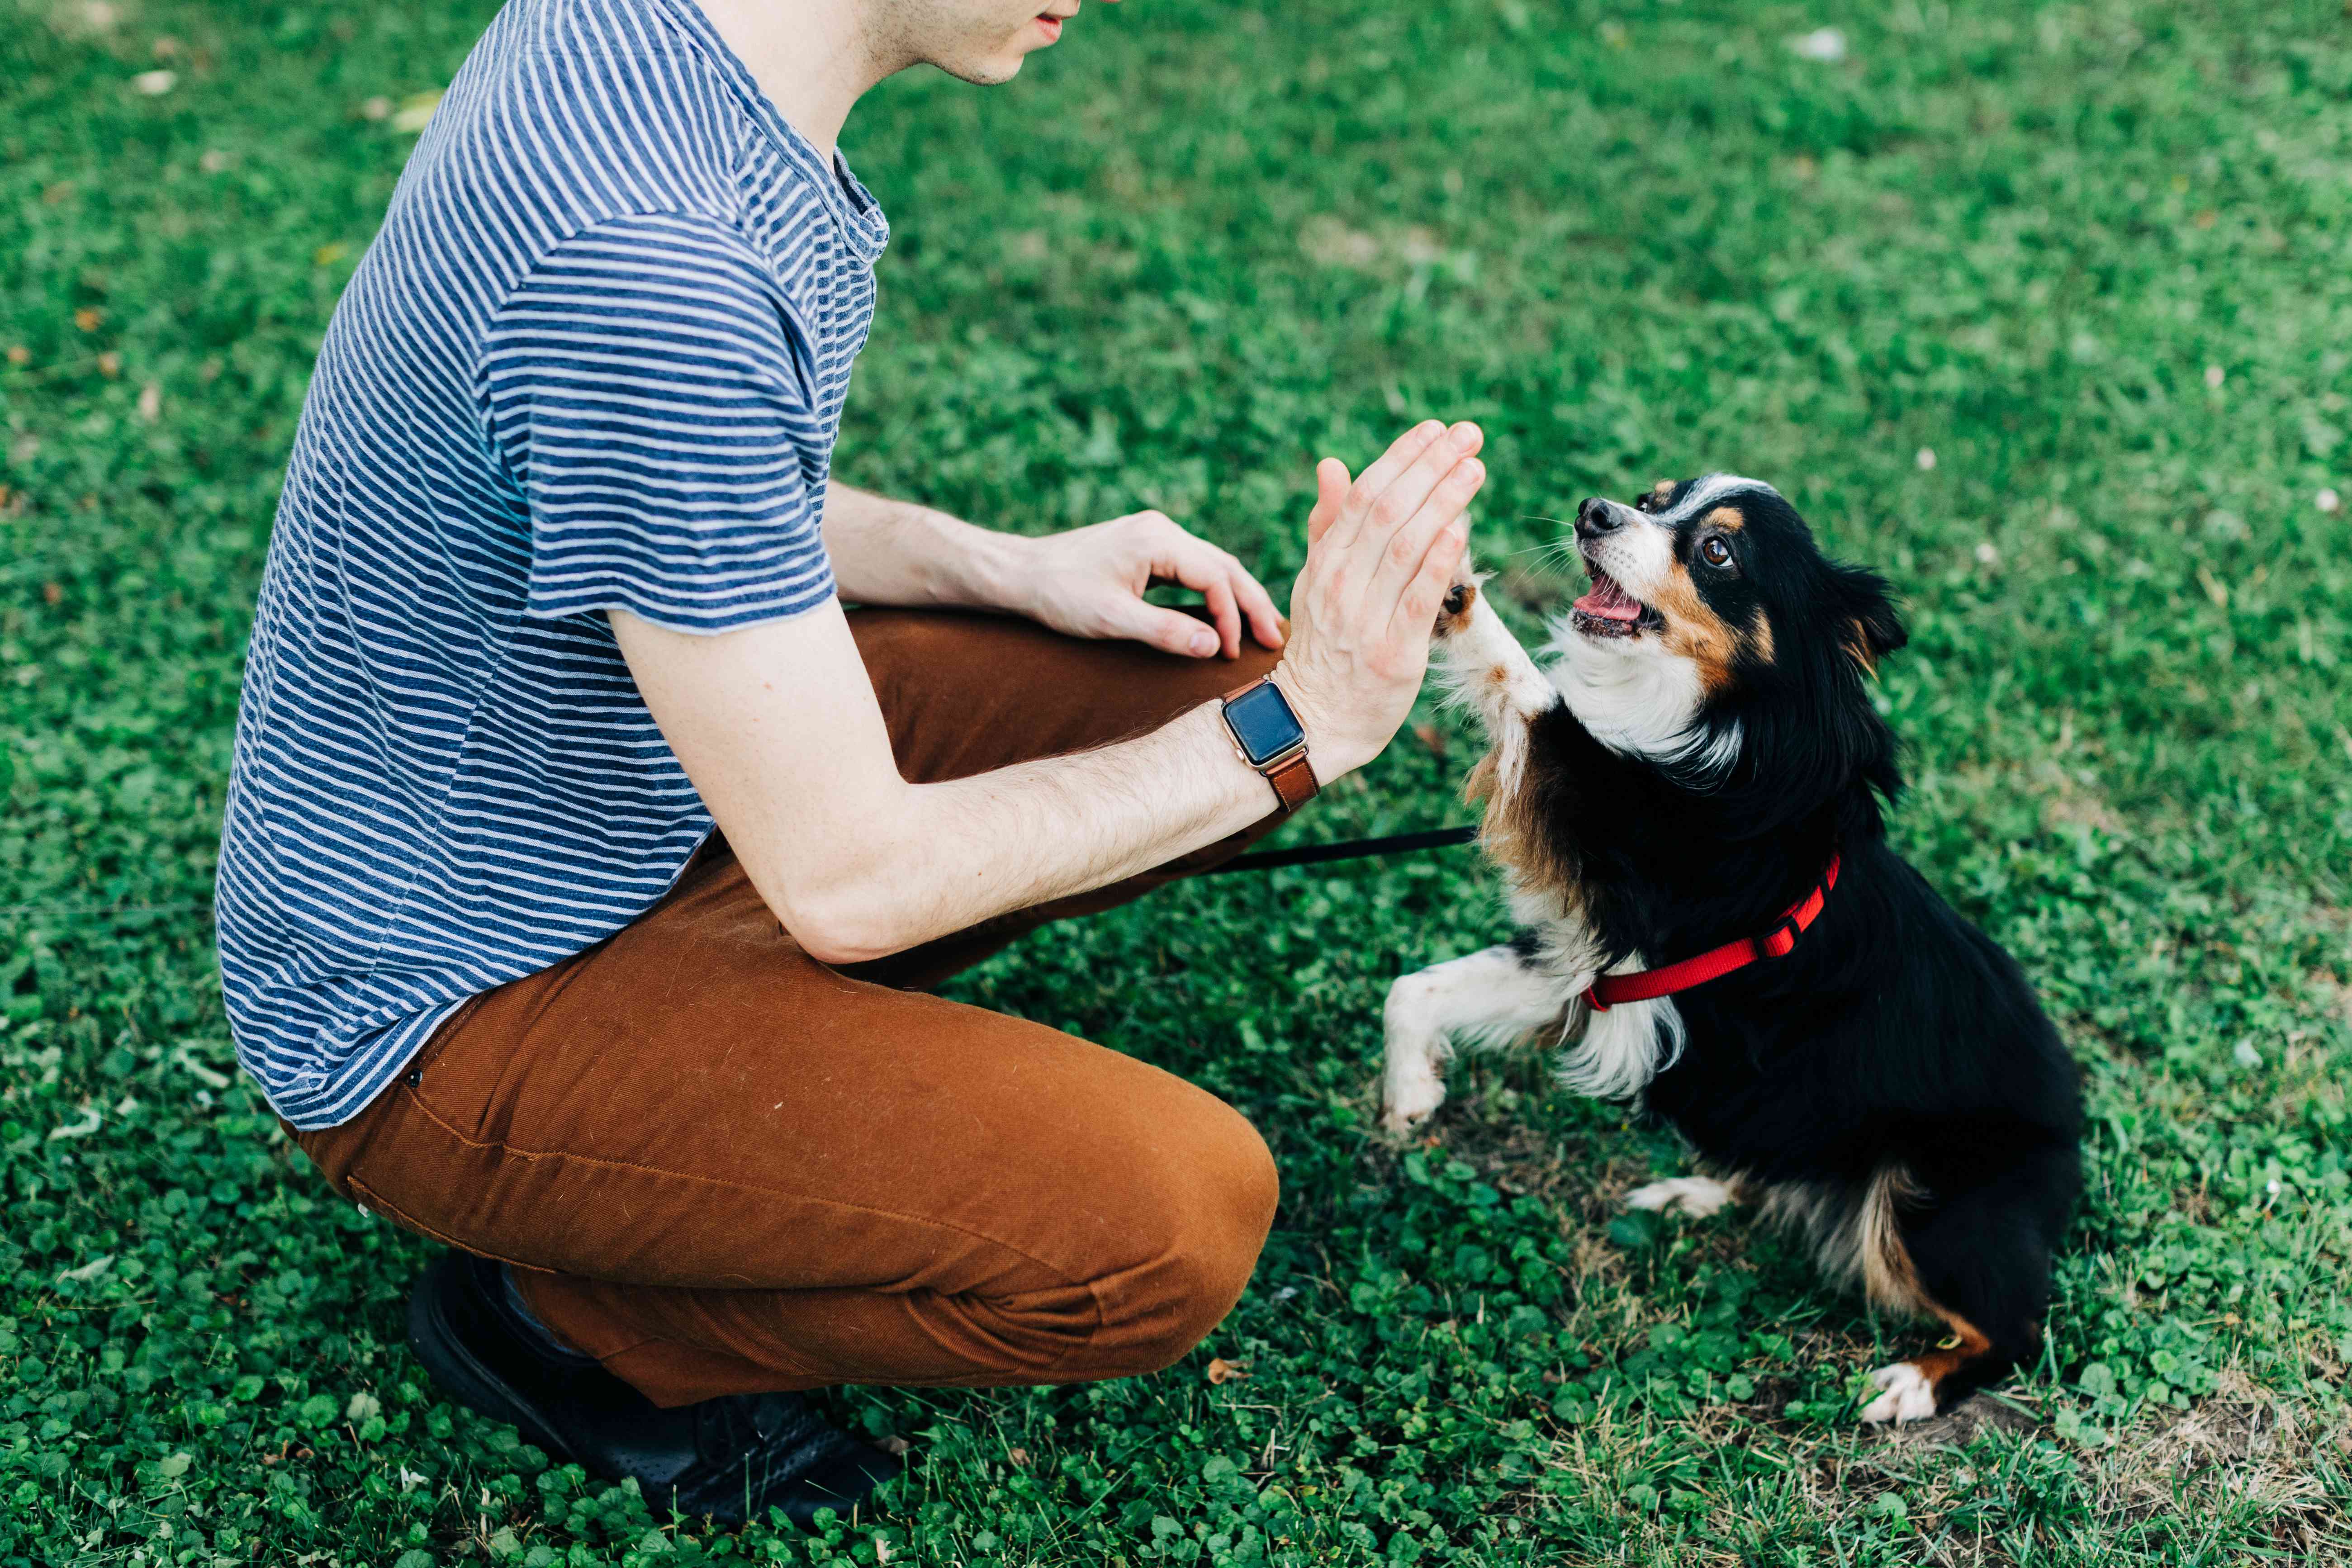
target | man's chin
x=986, y=70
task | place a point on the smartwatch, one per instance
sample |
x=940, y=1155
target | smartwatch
x=1270, y=739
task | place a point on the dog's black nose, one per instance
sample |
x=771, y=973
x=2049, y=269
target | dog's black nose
x=1597, y=517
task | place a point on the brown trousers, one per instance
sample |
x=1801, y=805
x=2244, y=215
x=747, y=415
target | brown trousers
x=723, y=1166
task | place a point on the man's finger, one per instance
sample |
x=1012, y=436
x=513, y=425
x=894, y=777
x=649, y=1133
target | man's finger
x=1409, y=544
x=1171, y=631
x=1388, y=550
x=1383, y=472
x=1264, y=621
x=1202, y=567
x=1417, y=607
x=1384, y=469
x=1226, y=612
x=1331, y=481
x=1404, y=495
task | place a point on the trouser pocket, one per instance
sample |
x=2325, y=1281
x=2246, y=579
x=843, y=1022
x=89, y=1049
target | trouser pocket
x=337, y=1150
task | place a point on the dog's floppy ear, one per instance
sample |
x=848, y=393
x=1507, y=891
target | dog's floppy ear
x=1870, y=628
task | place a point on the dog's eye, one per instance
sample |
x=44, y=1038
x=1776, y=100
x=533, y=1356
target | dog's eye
x=1645, y=502
x=1714, y=551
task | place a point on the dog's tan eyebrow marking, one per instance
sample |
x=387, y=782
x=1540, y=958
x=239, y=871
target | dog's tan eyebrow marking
x=1662, y=489
x=1726, y=519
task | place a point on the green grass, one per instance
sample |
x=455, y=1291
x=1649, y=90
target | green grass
x=2095, y=257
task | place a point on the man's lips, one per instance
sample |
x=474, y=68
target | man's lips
x=1053, y=26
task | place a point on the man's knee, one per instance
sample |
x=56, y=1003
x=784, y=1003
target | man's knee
x=1206, y=1204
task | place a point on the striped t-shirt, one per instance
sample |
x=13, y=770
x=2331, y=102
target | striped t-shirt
x=596, y=358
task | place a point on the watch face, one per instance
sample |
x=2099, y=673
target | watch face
x=1263, y=722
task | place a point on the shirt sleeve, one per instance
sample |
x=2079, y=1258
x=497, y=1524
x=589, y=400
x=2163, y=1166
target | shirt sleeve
x=645, y=387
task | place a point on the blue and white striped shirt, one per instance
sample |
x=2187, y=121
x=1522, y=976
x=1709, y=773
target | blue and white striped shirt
x=596, y=358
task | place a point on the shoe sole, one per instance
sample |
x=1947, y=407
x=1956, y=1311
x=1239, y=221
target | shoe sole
x=455, y=1368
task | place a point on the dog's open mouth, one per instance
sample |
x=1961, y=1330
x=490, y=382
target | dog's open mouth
x=1610, y=612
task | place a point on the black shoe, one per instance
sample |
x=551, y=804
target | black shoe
x=732, y=1458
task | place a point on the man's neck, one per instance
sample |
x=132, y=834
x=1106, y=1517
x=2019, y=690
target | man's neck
x=813, y=58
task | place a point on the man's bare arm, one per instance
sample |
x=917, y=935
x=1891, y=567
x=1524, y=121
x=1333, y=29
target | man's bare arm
x=888, y=551
x=778, y=727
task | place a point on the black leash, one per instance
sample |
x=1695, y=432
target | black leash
x=1347, y=849
x=1263, y=860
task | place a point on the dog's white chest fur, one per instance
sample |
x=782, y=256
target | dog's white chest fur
x=1639, y=702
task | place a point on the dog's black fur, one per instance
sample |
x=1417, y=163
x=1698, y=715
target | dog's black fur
x=1897, y=1055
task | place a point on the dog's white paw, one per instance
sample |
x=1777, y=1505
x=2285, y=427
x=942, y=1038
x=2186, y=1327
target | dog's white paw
x=1412, y=1092
x=1700, y=1195
x=1907, y=1396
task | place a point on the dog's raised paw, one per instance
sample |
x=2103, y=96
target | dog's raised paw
x=1907, y=1395
x=1699, y=1196
x=1409, y=1102
x=1454, y=614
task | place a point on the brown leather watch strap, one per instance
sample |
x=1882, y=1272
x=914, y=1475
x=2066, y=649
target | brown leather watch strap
x=1293, y=781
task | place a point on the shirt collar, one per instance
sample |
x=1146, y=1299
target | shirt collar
x=854, y=211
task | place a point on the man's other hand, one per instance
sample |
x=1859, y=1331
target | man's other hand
x=1379, y=554
x=1089, y=583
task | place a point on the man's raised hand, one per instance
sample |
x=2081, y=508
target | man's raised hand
x=1381, y=552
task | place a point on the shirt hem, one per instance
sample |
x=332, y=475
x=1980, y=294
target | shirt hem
x=338, y=1102
x=671, y=617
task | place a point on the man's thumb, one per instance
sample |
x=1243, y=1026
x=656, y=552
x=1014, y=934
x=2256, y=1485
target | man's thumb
x=1331, y=483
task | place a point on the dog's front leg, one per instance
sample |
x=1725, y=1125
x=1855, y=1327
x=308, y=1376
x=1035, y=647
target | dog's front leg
x=1482, y=665
x=1490, y=998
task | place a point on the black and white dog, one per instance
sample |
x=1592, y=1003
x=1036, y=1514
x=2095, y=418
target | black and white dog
x=1688, y=806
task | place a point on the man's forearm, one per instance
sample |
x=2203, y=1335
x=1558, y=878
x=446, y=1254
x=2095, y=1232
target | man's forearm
x=939, y=858
x=889, y=552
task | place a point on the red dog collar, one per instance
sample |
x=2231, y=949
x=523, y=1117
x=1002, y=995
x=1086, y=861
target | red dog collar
x=1643, y=985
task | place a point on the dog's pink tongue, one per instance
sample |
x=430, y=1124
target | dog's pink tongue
x=1610, y=602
